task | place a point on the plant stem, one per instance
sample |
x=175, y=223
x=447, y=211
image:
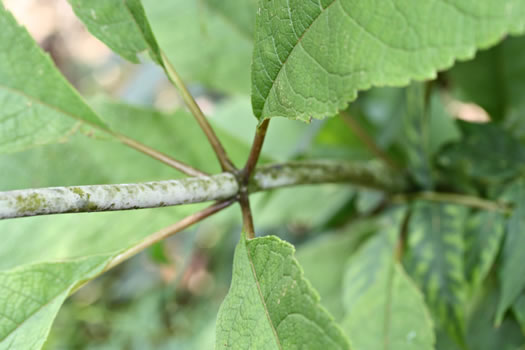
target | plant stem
x=245, y=175
x=58, y=200
x=165, y=233
x=247, y=218
x=182, y=167
x=226, y=163
x=116, y=197
x=403, y=237
x=372, y=174
x=454, y=198
x=255, y=151
x=367, y=140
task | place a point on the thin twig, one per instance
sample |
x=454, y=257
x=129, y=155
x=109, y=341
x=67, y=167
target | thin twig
x=182, y=167
x=247, y=218
x=245, y=175
x=169, y=231
x=255, y=152
x=161, y=235
x=226, y=163
x=367, y=140
x=454, y=198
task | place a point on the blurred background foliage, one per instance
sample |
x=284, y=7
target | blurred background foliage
x=168, y=297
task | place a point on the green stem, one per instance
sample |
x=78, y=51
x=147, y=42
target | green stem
x=169, y=231
x=255, y=151
x=194, y=108
x=247, y=218
x=245, y=175
x=367, y=140
x=162, y=235
x=180, y=166
x=454, y=198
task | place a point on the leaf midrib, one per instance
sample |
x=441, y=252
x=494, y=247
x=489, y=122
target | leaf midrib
x=58, y=109
x=299, y=40
x=252, y=267
x=142, y=34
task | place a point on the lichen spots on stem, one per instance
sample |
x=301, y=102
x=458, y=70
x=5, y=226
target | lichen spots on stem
x=30, y=203
x=78, y=191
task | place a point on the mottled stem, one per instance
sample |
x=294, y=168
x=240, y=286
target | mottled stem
x=116, y=197
x=58, y=200
x=371, y=174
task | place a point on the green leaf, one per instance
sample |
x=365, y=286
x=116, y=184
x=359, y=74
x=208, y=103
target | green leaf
x=384, y=107
x=323, y=260
x=434, y=259
x=122, y=25
x=30, y=297
x=385, y=310
x=336, y=140
x=87, y=161
x=511, y=274
x=416, y=136
x=482, y=333
x=167, y=132
x=519, y=310
x=311, y=57
x=270, y=305
x=479, y=153
x=206, y=41
x=38, y=105
x=240, y=14
x=483, y=239
x=84, y=160
x=293, y=206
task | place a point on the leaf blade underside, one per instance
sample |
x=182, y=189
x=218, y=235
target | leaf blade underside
x=384, y=308
x=270, y=305
x=38, y=105
x=436, y=247
x=312, y=57
x=31, y=295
